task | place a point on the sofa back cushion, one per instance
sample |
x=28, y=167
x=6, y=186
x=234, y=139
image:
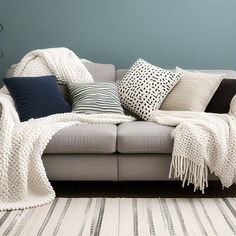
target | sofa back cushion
x=101, y=72
x=230, y=74
x=120, y=73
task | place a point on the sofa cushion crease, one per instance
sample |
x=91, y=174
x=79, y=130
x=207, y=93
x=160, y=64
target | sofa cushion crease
x=230, y=74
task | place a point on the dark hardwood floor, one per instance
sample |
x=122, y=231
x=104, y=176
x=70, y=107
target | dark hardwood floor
x=169, y=189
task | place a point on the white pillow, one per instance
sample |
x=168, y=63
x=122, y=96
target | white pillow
x=144, y=87
x=193, y=92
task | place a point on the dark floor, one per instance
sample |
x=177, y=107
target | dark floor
x=171, y=189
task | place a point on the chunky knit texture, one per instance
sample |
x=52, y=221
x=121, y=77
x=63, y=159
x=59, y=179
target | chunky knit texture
x=201, y=141
x=61, y=62
x=23, y=180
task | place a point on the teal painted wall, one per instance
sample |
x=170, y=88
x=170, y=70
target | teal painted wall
x=188, y=33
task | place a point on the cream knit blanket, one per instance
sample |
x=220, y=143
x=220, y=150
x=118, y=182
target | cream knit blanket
x=23, y=180
x=61, y=62
x=202, y=141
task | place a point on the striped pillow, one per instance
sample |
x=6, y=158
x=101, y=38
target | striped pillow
x=193, y=92
x=94, y=98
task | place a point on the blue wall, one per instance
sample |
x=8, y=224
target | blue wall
x=188, y=33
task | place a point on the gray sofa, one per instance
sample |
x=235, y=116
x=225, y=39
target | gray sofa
x=135, y=151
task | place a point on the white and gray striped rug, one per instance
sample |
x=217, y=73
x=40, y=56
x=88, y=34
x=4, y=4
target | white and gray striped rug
x=124, y=216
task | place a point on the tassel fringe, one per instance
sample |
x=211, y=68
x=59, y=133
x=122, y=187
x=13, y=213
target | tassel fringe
x=188, y=171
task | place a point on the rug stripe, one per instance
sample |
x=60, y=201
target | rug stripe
x=188, y=217
x=23, y=222
x=135, y=217
x=232, y=201
x=67, y=205
x=150, y=220
x=229, y=205
x=88, y=206
x=13, y=222
x=166, y=216
x=4, y=217
x=207, y=216
x=217, y=217
x=199, y=222
x=95, y=215
x=100, y=217
x=224, y=214
x=180, y=217
x=49, y=214
x=119, y=218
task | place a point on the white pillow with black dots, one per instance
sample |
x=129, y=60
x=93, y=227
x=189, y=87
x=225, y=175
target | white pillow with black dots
x=144, y=87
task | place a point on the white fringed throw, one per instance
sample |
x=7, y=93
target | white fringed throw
x=201, y=141
x=23, y=180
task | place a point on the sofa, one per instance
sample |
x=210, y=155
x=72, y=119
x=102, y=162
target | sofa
x=135, y=151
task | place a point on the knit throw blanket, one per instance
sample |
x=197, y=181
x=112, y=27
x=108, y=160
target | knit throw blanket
x=61, y=62
x=202, y=141
x=23, y=180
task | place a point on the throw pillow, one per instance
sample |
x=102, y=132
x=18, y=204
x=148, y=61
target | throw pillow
x=193, y=92
x=36, y=97
x=220, y=102
x=93, y=98
x=144, y=87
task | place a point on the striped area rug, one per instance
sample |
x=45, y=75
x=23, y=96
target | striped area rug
x=124, y=216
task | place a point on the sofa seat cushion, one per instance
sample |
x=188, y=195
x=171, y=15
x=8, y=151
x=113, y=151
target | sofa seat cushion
x=93, y=138
x=144, y=137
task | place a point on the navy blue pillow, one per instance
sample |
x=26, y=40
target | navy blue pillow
x=36, y=97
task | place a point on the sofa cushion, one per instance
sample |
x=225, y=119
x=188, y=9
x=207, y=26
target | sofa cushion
x=144, y=137
x=93, y=138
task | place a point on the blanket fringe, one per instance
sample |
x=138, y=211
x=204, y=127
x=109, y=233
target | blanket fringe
x=190, y=172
